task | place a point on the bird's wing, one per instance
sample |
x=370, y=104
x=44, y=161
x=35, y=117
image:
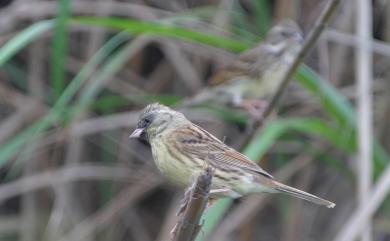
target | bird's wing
x=252, y=62
x=196, y=142
x=236, y=159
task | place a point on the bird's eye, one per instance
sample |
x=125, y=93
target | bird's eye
x=148, y=120
x=285, y=34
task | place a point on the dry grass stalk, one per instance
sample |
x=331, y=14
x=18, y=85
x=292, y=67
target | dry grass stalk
x=188, y=226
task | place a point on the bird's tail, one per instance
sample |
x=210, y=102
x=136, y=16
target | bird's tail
x=280, y=187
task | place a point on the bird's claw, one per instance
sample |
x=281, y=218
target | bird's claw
x=184, y=202
x=255, y=108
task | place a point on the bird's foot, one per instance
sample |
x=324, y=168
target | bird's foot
x=184, y=202
x=254, y=107
x=210, y=202
x=174, y=230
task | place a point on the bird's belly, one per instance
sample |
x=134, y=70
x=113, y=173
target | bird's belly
x=266, y=84
x=180, y=172
x=183, y=171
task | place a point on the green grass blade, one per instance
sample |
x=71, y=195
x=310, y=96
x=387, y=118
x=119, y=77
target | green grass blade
x=113, y=64
x=85, y=72
x=14, y=145
x=57, y=63
x=261, y=11
x=17, y=75
x=312, y=126
x=112, y=101
x=332, y=101
x=239, y=24
x=19, y=41
x=162, y=28
x=341, y=110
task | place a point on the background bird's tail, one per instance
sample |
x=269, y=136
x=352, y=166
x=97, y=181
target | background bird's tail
x=280, y=187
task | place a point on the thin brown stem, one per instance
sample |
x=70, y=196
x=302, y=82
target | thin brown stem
x=188, y=226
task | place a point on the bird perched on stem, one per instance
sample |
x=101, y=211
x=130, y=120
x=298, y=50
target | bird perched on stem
x=255, y=74
x=181, y=149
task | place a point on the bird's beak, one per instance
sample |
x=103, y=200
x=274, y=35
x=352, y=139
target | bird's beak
x=136, y=133
x=298, y=38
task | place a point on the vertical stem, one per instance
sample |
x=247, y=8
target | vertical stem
x=59, y=48
x=358, y=220
x=364, y=100
x=36, y=85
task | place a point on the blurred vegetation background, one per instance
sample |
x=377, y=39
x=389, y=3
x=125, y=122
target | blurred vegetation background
x=74, y=74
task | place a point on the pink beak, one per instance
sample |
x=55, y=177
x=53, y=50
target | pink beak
x=297, y=38
x=136, y=133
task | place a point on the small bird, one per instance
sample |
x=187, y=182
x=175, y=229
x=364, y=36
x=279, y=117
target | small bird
x=255, y=74
x=181, y=149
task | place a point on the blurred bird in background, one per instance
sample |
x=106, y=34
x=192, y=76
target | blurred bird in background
x=256, y=74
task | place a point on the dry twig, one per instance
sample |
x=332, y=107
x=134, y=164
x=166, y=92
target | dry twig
x=357, y=221
x=61, y=176
x=188, y=226
x=364, y=75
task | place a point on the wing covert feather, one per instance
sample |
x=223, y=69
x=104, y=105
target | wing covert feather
x=205, y=146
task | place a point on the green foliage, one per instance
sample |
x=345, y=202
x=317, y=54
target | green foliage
x=339, y=129
x=16, y=74
x=261, y=12
x=164, y=29
x=342, y=112
x=19, y=41
x=59, y=48
x=14, y=145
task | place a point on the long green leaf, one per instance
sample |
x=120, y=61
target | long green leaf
x=17, y=75
x=163, y=28
x=262, y=14
x=113, y=64
x=11, y=147
x=341, y=110
x=23, y=38
x=59, y=48
x=332, y=101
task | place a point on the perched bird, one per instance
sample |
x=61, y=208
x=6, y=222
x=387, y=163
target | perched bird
x=181, y=149
x=255, y=74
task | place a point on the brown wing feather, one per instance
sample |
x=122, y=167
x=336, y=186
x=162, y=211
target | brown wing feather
x=259, y=56
x=193, y=140
x=244, y=162
x=222, y=76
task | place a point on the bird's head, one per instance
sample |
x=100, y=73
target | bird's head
x=156, y=119
x=284, y=36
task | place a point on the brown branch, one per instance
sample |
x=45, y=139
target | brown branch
x=58, y=177
x=188, y=226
